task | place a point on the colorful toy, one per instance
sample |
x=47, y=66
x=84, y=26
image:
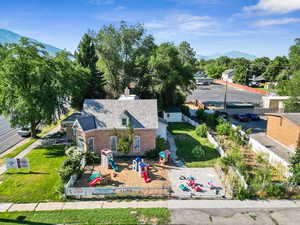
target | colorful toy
x=183, y=187
x=197, y=188
x=93, y=176
x=95, y=181
x=107, y=160
x=164, y=157
x=210, y=184
x=139, y=166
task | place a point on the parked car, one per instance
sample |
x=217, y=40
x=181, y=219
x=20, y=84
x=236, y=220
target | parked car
x=24, y=132
x=253, y=116
x=241, y=117
x=253, y=84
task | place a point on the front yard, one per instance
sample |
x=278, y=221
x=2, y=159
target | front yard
x=95, y=216
x=40, y=184
x=186, y=140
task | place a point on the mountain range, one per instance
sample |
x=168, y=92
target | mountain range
x=232, y=54
x=7, y=36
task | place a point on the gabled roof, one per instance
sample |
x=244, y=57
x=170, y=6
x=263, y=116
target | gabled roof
x=108, y=113
x=293, y=117
x=173, y=109
x=87, y=123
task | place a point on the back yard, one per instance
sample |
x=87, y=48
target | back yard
x=186, y=140
x=40, y=184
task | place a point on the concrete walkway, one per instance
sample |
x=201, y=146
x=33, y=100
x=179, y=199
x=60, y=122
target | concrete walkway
x=30, y=148
x=173, y=150
x=170, y=204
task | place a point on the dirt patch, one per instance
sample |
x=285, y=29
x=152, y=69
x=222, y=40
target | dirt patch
x=126, y=177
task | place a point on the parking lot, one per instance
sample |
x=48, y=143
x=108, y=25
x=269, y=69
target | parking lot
x=8, y=135
x=213, y=95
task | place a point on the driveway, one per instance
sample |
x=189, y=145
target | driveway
x=236, y=216
x=8, y=135
x=259, y=126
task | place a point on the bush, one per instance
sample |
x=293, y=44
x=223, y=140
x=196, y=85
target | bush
x=65, y=173
x=201, y=115
x=92, y=158
x=295, y=168
x=185, y=110
x=199, y=152
x=223, y=128
x=161, y=145
x=201, y=130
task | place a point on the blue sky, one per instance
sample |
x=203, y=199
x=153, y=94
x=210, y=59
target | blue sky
x=259, y=27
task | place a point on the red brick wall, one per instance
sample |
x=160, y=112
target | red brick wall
x=102, y=139
x=283, y=131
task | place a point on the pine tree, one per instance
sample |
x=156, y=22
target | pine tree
x=86, y=57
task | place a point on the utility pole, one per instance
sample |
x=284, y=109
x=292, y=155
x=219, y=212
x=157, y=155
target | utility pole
x=225, y=97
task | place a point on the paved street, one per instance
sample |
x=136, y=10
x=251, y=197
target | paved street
x=214, y=95
x=8, y=135
x=290, y=216
x=259, y=126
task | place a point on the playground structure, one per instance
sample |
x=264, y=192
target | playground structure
x=107, y=160
x=164, y=157
x=139, y=166
x=97, y=178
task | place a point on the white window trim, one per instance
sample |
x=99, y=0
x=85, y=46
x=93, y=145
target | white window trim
x=91, y=138
x=139, y=149
x=110, y=143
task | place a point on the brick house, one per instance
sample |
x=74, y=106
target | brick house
x=94, y=128
x=284, y=128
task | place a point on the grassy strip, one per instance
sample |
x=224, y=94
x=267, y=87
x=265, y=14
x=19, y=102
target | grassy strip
x=41, y=183
x=19, y=149
x=186, y=140
x=95, y=216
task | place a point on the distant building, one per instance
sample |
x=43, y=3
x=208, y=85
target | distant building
x=227, y=75
x=284, y=128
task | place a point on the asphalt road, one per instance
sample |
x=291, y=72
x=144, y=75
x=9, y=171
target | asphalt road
x=259, y=126
x=236, y=216
x=8, y=135
x=214, y=95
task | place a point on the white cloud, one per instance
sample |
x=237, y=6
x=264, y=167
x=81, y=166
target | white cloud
x=181, y=22
x=274, y=6
x=101, y=2
x=270, y=22
x=195, y=2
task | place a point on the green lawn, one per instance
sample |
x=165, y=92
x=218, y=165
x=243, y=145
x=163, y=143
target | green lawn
x=186, y=140
x=96, y=216
x=40, y=183
x=18, y=150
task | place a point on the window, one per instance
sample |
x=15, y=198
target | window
x=124, y=122
x=74, y=131
x=114, y=143
x=91, y=144
x=137, y=144
x=168, y=115
x=80, y=143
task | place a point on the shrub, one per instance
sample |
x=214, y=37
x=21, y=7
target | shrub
x=161, y=145
x=65, y=173
x=201, y=130
x=200, y=114
x=223, y=128
x=92, y=158
x=185, y=110
x=295, y=167
x=199, y=152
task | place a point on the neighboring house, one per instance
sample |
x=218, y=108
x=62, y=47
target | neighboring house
x=173, y=114
x=67, y=124
x=284, y=128
x=274, y=102
x=162, y=128
x=227, y=75
x=95, y=127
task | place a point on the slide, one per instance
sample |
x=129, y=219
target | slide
x=93, y=176
x=113, y=165
x=146, y=178
x=95, y=181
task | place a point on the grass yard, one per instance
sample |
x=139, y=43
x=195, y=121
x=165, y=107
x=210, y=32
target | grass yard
x=96, y=216
x=40, y=184
x=186, y=140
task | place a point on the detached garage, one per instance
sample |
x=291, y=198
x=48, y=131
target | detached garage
x=173, y=114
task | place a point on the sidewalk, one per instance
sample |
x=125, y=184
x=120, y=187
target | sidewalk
x=29, y=149
x=170, y=204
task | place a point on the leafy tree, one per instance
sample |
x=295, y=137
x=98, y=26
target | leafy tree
x=295, y=167
x=188, y=55
x=277, y=66
x=214, y=70
x=259, y=66
x=117, y=48
x=173, y=79
x=86, y=57
x=294, y=55
x=30, y=92
x=241, y=74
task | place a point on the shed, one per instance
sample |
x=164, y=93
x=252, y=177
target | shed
x=173, y=114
